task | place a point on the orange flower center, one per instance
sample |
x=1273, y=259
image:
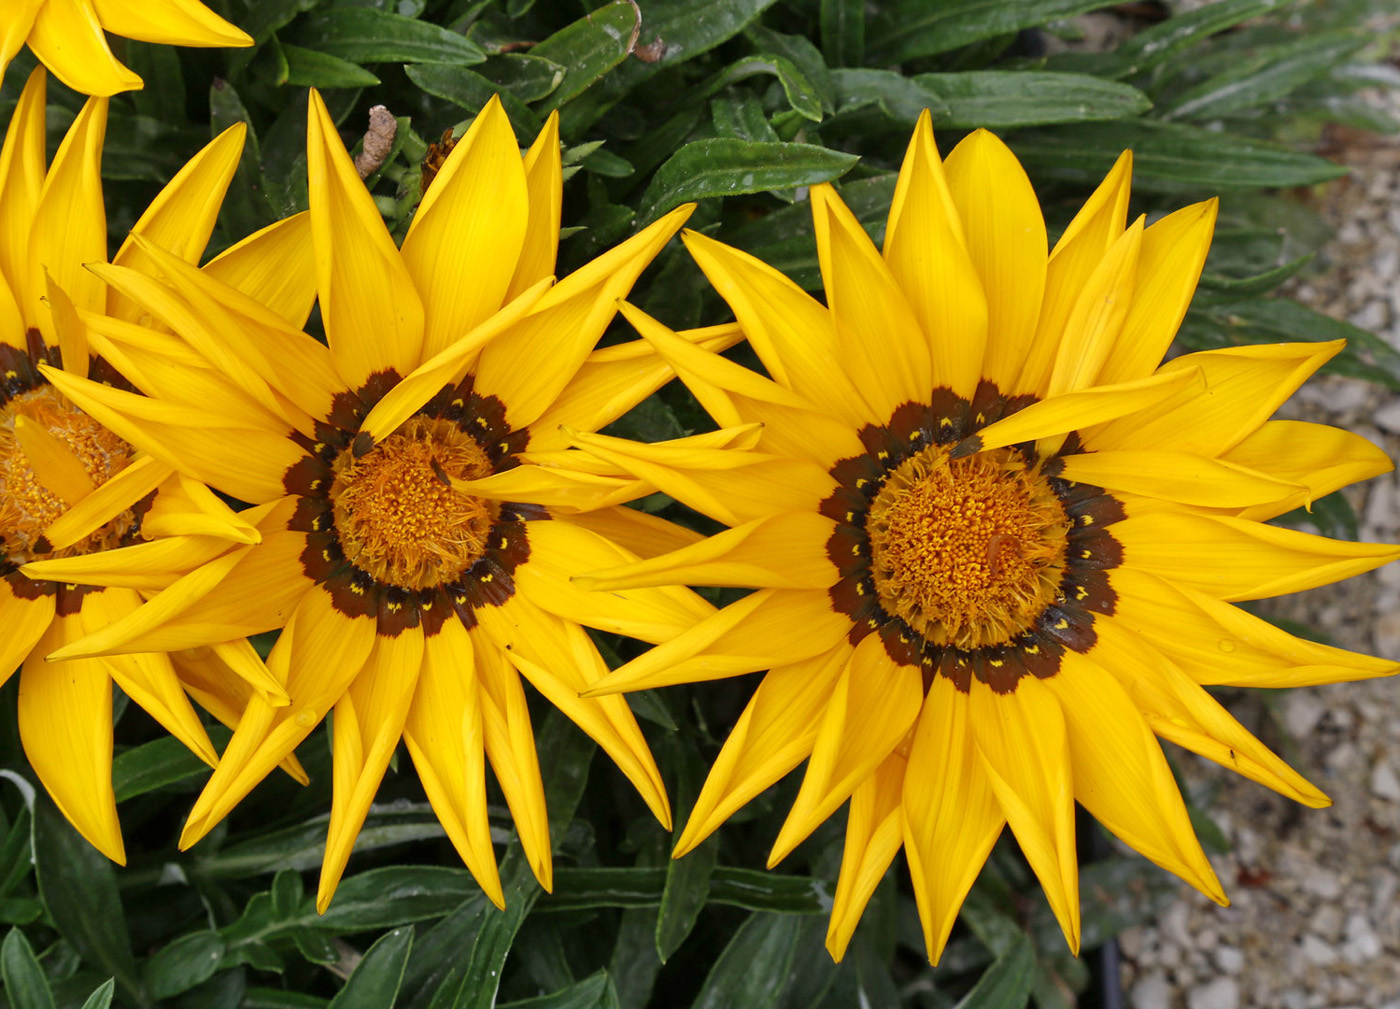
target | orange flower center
x=397, y=514
x=52, y=455
x=966, y=552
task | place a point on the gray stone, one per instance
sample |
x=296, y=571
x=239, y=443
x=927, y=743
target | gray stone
x=1152, y=991
x=1362, y=943
x=1388, y=416
x=1385, y=784
x=1222, y=993
x=1229, y=959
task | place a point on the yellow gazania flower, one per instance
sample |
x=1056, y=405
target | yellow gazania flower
x=72, y=491
x=995, y=542
x=67, y=36
x=422, y=512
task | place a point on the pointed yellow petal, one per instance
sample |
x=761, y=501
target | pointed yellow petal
x=68, y=328
x=70, y=222
x=445, y=737
x=148, y=678
x=744, y=637
x=186, y=507
x=927, y=254
x=173, y=22
x=14, y=31
x=24, y=619
x=149, y=567
x=53, y=463
x=181, y=217
x=1121, y=777
x=1235, y=559
x=1169, y=265
x=216, y=677
x=879, y=340
x=1177, y=476
x=873, y=836
x=793, y=335
x=1075, y=410
x=369, y=719
x=446, y=367
x=275, y=267
x=316, y=657
x=951, y=816
x=1243, y=387
x=1075, y=256
x=67, y=37
x=1320, y=458
x=561, y=661
x=1096, y=320
x=559, y=551
x=21, y=180
x=874, y=705
x=65, y=724
x=1182, y=711
x=372, y=312
x=785, y=551
x=1216, y=643
x=555, y=488
x=644, y=535
x=1021, y=740
x=773, y=735
x=510, y=745
x=1005, y=234
x=467, y=235
x=544, y=178
x=565, y=325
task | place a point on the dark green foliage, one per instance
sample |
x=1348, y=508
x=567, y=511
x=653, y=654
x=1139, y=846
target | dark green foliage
x=738, y=105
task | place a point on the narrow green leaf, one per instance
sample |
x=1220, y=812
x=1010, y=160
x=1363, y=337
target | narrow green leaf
x=395, y=894
x=287, y=892
x=800, y=92
x=588, y=48
x=158, y=763
x=686, y=891
x=590, y=993
x=180, y=965
x=1170, y=156
x=999, y=100
x=15, y=853
x=25, y=984
x=725, y=167
x=309, y=68
x=1260, y=283
x=908, y=29
x=753, y=971
x=101, y=998
x=19, y=910
x=276, y=998
x=1266, y=76
x=246, y=208
x=1007, y=982
x=803, y=55
x=79, y=889
x=374, y=984
x=900, y=98
x=367, y=35
x=843, y=32
x=1162, y=42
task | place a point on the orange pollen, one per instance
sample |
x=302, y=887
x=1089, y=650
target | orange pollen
x=967, y=552
x=399, y=518
x=32, y=498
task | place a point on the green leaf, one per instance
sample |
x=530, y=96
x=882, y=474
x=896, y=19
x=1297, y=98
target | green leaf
x=686, y=891
x=528, y=78
x=19, y=910
x=588, y=48
x=908, y=29
x=800, y=92
x=158, y=763
x=1165, y=41
x=79, y=889
x=101, y=998
x=1265, y=77
x=276, y=998
x=753, y=969
x=1169, y=157
x=396, y=894
x=725, y=167
x=593, y=991
x=180, y=965
x=309, y=68
x=471, y=91
x=800, y=51
x=1260, y=283
x=25, y=983
x=375, y=982
x=1006, y=984
x=15, y=853
x=900, y=98
x=999, y=100
x=287, y=893
x=366, y=35
x=843, y=32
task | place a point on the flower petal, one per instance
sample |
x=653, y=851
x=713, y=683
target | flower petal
x=67, y=37
x=544, y=179
x=173, y=22
x=873, y=836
